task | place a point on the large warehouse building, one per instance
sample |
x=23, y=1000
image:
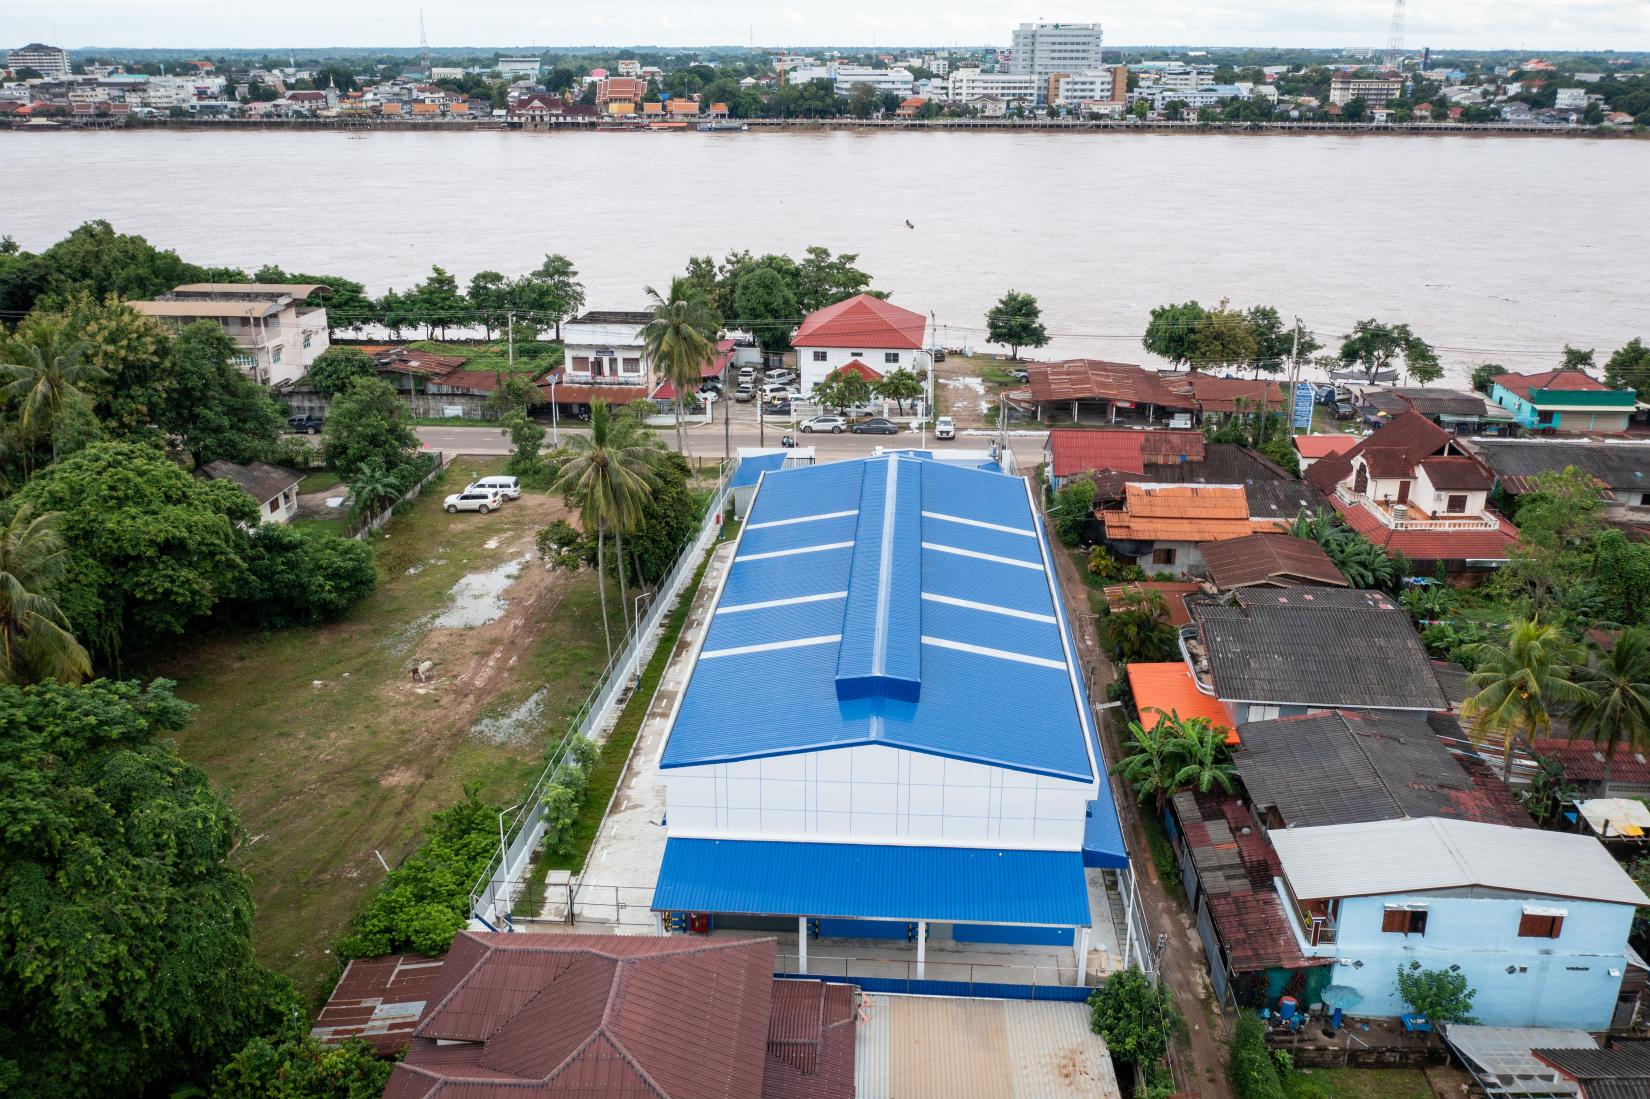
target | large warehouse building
x=885, y=732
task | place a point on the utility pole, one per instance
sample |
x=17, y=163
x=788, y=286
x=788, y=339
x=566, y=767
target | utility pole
x=510, y=338
x=1294, y=377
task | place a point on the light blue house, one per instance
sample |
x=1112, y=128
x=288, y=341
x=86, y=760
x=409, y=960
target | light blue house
x=885, y=732
x=1537, y=921
x=1564, y=401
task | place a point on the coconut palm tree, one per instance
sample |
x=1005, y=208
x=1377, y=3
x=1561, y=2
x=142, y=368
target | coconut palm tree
x=607, y=475
x=35, y=642
x=1518, y=683
x=680, y=340
x=43, y=370
x=1618, y=712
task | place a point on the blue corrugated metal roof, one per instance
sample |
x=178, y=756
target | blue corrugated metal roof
x=869, y=881
x=889, y=600
x=751, y=469
x=1103, y=836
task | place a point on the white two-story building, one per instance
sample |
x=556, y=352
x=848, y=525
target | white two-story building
x=604, y=347
x=277, y=335
x=863, y=328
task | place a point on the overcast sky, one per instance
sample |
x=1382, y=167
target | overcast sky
x=1533, y=25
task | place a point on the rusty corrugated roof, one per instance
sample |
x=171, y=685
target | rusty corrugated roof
x=379, y=1000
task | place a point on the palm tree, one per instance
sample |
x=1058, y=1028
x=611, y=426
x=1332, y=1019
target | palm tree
x=43, y=371
x=1517, y=685
x=373, y=488
x=35, y=642
x=1618, y=712
x=680, y=340
x=607, y=475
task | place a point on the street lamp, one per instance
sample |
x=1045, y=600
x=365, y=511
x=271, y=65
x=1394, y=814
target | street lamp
x=555, y=419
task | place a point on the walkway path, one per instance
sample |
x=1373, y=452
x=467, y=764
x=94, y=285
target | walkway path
x=1183, y=965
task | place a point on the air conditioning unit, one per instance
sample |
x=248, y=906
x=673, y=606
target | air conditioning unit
x=1400, y=512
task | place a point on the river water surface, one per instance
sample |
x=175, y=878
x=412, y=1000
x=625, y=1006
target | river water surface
x=1491, y=248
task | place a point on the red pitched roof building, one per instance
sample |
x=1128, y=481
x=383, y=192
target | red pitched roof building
x=1412, y=488
x=1126, y=450
x=885, y=336
x=520, y=1016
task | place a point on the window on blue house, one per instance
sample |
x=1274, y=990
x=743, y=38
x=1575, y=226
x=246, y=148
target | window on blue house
x=1540, y=925
x=1405, y=921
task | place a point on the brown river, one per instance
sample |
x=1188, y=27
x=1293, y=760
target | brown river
x=1491, y=248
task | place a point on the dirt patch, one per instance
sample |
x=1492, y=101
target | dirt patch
x=478, y=598
x=328, y=504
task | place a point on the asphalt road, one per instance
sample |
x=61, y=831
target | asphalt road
x=708, y=441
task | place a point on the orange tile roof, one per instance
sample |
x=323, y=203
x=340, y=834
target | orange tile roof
x=1182, y=513
x=1322, y=446
x=1169, y=687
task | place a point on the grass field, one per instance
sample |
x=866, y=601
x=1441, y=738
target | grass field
x=331, y=751
x=319, y=481
x=495, y=355
x=1374, y=1083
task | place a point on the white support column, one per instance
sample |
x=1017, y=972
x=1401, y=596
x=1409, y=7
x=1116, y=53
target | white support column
x=922, y=946
x=1082, y=956
x=1128, y=921
x=802, y=944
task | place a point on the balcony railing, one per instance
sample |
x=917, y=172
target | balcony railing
x=1409, y=522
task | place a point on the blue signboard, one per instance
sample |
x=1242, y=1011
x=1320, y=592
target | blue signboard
x=1305, y=394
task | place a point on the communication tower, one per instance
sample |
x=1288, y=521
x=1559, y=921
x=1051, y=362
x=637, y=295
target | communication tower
x=1395, y=36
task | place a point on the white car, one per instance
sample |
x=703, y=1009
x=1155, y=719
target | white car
x=779, y=393
x=945, y=428
x=507, y=487
x=836, y=425
x=482, y=500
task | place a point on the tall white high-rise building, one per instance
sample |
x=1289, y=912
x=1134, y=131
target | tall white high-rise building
x=49, y=61
x=1043, y=49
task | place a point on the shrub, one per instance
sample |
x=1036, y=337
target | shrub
x=301, y=578
x=565, y=795
x=299, y=1067
x=425, y=901
x=1253, y=1073
x=1072, y=506
x=1441, y=995
x=1135, y=1017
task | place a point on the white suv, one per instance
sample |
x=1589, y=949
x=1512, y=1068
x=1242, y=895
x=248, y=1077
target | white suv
x=945, y=428
x=507, y=487
x=834, y=424
x=482, y=500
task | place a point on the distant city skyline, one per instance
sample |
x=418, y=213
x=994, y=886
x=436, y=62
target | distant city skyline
x=1547, y=25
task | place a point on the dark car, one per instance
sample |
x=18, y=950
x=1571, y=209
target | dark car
x=1345, y=411
x=876, y=425
x=777, y=408
x=306, y=425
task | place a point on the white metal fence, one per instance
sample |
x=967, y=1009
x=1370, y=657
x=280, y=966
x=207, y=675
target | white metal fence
x=493, y=897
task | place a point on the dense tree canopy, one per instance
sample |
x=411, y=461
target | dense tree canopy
x=368, y=421
x=766, y=308
x=335, y=368
x=210, y=407
x=125, y=954
x=1016, y=320
x=151, y=549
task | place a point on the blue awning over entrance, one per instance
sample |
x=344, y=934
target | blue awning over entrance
x=867, y=881
x=1103, y=836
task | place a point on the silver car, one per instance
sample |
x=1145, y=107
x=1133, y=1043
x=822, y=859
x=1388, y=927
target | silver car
x=482, y=500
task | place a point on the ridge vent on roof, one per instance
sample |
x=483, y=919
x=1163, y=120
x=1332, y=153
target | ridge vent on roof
x=881, y=653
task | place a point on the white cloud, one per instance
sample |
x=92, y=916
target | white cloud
x=1533, y=25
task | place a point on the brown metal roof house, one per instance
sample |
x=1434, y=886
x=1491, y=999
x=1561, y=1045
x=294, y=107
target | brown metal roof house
x=275, y=489
x=1269, y=560
x=517, y=1016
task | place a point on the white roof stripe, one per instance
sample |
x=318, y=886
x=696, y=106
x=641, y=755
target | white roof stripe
x=982, y=524
x=960, y=552
x=822, y=597
x=1030, y=616
x=793, y=552
x=802, y=519
x=772, y=646
x=999, y=654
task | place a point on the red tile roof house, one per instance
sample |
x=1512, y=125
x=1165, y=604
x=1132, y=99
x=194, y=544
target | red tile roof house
x=1412, y=488
x=520, y=1016
x=879, y=334
x=1071, y=451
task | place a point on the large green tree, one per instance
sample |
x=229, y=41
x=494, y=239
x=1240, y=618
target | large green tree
x=1017, y=321
x=302, y=578
x=335, y=368
x=550, y=293
x=151, y=549
x=299, y=1067
x=766, y=308
x=1171, y=330
x=437, y=302
x=365, y=422
x=489, y=295
x=99, y=261
x=1629, y=367
x=125, y=953
x=1223, y=339
x=209, y=406
x=1374, y=346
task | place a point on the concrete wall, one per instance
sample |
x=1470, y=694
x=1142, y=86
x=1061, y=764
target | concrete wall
x=875, y=793
x=1570, y=981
